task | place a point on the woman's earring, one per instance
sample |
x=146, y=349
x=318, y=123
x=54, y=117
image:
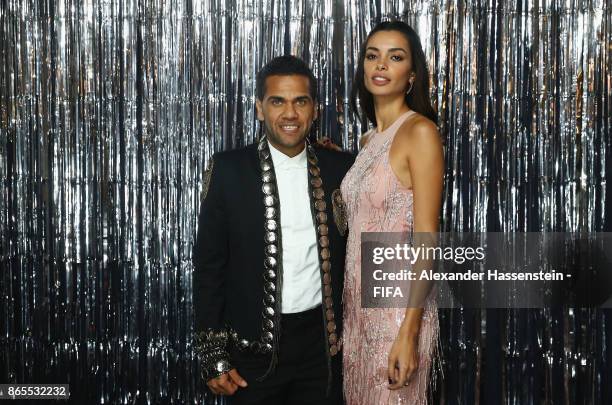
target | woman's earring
x=409, y=88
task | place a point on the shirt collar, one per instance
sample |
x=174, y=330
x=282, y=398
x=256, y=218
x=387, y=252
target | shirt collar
x=282, y=161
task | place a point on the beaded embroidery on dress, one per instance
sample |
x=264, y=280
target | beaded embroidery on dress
x=377, y=202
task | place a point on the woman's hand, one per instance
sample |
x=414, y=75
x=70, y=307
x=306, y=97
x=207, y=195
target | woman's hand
x=327, y=143
x=404, y=357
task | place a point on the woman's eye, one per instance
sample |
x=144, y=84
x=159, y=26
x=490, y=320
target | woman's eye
x=370, y=57
x=396, y=58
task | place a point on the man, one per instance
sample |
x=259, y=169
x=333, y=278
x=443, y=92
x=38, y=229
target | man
x=269, y=255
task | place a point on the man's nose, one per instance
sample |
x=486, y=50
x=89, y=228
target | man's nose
x=289, y=111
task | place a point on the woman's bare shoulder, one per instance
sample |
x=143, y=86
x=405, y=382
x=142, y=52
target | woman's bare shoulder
x=418, y=131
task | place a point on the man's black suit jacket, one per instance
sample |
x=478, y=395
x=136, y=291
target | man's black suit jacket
x=229, y=250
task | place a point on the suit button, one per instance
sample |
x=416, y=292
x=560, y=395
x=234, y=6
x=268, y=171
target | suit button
x=333, y=350
x=270, y=263
x=322, y=217
x=324, y=241
x=270, y=237
x=326, y=265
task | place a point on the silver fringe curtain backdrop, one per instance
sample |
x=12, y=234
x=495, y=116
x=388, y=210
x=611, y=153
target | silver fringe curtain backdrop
x=110, y=109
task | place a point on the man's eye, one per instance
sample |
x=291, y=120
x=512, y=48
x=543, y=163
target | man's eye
x=276, y=102
x=301, y=103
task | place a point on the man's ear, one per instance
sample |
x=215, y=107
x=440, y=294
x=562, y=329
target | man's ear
x=259, y=109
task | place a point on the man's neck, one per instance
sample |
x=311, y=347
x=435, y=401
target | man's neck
x=291, y=152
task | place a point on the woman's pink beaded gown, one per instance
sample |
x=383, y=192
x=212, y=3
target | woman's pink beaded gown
x=376, y=201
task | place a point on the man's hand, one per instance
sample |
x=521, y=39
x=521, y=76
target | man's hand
x=227, y=383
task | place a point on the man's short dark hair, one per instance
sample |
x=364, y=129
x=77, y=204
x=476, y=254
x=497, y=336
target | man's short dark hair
x=287, y=65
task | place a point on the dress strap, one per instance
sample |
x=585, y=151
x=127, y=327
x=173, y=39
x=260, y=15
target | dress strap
x=402, y=118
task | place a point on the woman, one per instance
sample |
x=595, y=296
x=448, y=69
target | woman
x=395, y=185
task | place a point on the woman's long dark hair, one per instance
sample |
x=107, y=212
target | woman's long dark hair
x=418, y=98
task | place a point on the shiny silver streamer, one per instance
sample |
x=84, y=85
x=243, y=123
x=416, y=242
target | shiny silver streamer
x=110, y=109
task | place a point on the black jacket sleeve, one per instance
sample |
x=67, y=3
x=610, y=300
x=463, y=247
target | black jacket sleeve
x=210, y=258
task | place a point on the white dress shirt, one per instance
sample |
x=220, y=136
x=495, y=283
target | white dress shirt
x=301, y=279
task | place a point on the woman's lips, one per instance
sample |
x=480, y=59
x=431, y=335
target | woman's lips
x=380, y=80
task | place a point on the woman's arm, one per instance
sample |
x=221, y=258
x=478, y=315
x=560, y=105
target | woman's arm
x=420, y=147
